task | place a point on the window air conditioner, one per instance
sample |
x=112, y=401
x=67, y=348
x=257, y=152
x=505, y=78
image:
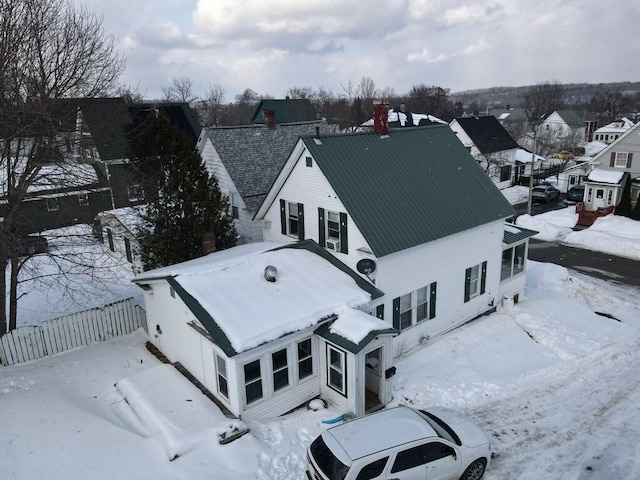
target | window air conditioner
x=333, y=244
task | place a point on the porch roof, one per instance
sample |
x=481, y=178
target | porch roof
x=513, y=234
x=599, y=175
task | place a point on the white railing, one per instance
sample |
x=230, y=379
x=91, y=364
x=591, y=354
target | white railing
x=71, y=331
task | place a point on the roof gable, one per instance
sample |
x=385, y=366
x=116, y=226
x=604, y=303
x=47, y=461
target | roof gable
x=487, y=134
x=254, y=154
x=288, y=110
x=411, y=187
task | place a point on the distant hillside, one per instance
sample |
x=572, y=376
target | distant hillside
x=575, y=94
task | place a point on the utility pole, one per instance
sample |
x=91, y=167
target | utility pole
x=533, y=159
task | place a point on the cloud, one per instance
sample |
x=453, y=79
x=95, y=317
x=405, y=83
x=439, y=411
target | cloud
x=425, y=56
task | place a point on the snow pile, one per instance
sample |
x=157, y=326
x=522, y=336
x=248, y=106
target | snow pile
x=611, y=234
x=516, y=195
x=550, y=225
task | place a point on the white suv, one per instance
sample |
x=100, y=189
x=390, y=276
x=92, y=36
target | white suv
x=401, y=443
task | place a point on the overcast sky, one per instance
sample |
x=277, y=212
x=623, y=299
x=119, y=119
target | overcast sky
x=271, y=45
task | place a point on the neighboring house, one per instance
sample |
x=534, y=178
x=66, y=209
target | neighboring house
x=514, y=120
x=267, y=327
x=64, y=194
x=287, y=110
x=616, y=164
x=611, y=132
x=491, y=145
x=246, y=160
x=566, y=129
x=117, y=230
x=410, y=211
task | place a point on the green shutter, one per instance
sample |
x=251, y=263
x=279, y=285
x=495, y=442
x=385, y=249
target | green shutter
x=321, y=228
x=300, y=221
x=483, y=280
x=432, y=300
x=396, y=313
x=380, y=311
x=467, y=284
x=283, y=217
x=344, y=243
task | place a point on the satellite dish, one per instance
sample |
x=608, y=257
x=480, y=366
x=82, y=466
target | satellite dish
x=366, y=266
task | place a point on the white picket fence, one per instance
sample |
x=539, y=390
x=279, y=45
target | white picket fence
x=71, y=331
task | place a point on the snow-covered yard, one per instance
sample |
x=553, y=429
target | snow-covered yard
x=552, y=382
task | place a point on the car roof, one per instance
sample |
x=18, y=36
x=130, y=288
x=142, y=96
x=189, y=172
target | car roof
x=379, y=431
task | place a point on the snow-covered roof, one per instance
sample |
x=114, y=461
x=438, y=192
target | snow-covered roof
x=231, y=289
x=53, y=176
x=617, y=126
x=129, y=217
x=524, y=156
x=402, y=118
x=600, y=175
x=355, y=325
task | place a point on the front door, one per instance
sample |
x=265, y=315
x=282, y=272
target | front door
x=374, y=381
x=598, y=202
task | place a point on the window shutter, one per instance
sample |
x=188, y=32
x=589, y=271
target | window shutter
x=612, y=163
x=629, y=157
x=432, y=300
x=396, y=313
x=300, y=221
x=344, y=243
x=467, y=284
x=321, y=229
x=483, y=280
x=283, y=217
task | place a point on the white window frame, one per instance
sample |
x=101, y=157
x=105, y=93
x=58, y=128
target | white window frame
x=83, y=199
x=474, y=281
x=253, y=381
x=283, y=368
x=304, y=358
x=621, y=160
x=221, y=376
x=340, y=370
x=233, y=205
x=515, y=267
x=292, y=216
x=52, y=204
x=406, y=310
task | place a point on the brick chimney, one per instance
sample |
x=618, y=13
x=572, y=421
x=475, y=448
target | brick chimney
x=381, y=117
x=269, y=118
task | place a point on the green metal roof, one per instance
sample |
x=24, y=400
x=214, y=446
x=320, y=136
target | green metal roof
x=411, y=187
x=513, y=234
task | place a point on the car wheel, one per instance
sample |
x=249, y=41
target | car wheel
x=475, y=471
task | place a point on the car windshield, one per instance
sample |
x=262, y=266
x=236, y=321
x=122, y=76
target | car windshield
x=333, y=468
x=539, y=189
x=442, y=429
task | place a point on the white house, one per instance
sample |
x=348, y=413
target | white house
x=117, y=230
x=612, y=131
x=410, y=210
x=245, y=160
x=492, y=147
x=268, y=327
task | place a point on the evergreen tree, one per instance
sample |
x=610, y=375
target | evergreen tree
x=185, y=208
x=624, y=207
x=635, y=212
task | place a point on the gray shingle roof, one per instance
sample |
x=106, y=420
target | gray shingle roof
x=254, y=154
x=414, y=186
x=287, y=110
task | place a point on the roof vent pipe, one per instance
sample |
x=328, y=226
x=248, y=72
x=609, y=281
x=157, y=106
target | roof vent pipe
x=270, y=273
x=317, y=131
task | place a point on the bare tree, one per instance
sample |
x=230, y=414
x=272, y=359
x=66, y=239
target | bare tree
x=180, y=90
x=49, y=50
x=211, y=106
x=542, y=100
x=431, y=100
x=305, y=93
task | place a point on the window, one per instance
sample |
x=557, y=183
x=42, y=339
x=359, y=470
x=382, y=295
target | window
x=505, y=173
x=309, y=161
x=292, y=219
x=135, y=193
x=599, y=193
x=589, y=194
x=127, y=249
x=410, y=458
x=475, y=281
x=380, y=311
x=110, y=240
x=252, y=381
x=373, y=470
x=233, y=204
x=405, y=311
x=610, y=197
x=332, y=230
x=83, y=199
x=621, y=159
x=52, y=204
x=280, y=369
x=512, y=261
x=223, y=382
x=305, y=359
x=635, y=193
x=422, y=302
x=336, y=375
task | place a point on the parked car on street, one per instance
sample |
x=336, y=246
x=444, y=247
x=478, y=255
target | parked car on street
x=576, y=193
x=545, y=193
x=401, y=443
